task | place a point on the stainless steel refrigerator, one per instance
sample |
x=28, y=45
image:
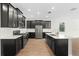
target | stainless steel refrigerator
x=38, y=31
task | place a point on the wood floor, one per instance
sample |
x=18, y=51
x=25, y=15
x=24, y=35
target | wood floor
x=36, y=47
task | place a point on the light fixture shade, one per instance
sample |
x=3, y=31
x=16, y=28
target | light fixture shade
x=53, y=8
x=29, y=9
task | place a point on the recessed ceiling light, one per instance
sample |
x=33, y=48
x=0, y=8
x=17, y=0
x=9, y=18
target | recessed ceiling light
x=31, y=15
x=53, y=8
x=46, y=16
x=38, y=12
x=29, y=9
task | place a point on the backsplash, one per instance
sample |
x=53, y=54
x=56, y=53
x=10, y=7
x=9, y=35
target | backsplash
x=9, y=31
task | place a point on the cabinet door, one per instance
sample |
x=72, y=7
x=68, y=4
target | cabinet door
x=8, y=47
x=23, y=22
x=17, y=45
x=48, y=40
x=61, y=47
x=15, y=19
x=11, y=16
x=25, y=39
x=31, y=35
x=52, y=45
x=28, y=24
x=20, y=20
x=4, y=15
x=43, y=35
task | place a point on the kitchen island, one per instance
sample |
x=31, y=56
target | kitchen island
x=58, y=44
x=10, y=44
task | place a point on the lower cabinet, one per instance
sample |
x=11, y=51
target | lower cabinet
x=61, y=47
x=25, y=39
x=58, y=46
x=32, y=35
x=43, y=34
x=10, y=47
x=19, y=44
x=50, y=42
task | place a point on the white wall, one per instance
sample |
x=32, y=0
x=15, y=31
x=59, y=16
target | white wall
x=71, y=20
x=0, y=47
x=0, y=15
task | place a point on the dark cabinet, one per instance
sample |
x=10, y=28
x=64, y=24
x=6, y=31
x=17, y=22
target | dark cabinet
x=8, y=15
x=53, y=45
x=19, y=44
x=31, y=35
x=45, y=24
x=28, y=24
x=10, y=47
x=25, y=39
x=11, y=15
x=21, y=19
x=4, y=14
x=61, y=47
x=58, y=46
x=23, y=22
x=50, y=42
x=13, y=21
x=43, y=34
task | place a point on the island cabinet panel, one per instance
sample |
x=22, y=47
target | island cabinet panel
x=50, y=42
x=19, y=44
x=61, y=47
x=58, y=46
x=25, y=39
x=10, y=47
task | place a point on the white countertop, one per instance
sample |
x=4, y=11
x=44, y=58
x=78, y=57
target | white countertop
x=10, y=36
x=57, y=37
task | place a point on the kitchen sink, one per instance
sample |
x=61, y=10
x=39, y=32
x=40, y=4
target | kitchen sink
x=53, y=34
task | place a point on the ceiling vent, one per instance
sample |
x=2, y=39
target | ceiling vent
x=49, y=12
x=73, y=9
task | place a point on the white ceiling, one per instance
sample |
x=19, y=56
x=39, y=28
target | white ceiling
x=40, y=10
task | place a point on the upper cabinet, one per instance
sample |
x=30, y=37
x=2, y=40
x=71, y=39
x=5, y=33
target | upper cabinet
x=21, y=19
x=13, y=21
x=4, y=15
x=33, y=23
x=10, y=16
